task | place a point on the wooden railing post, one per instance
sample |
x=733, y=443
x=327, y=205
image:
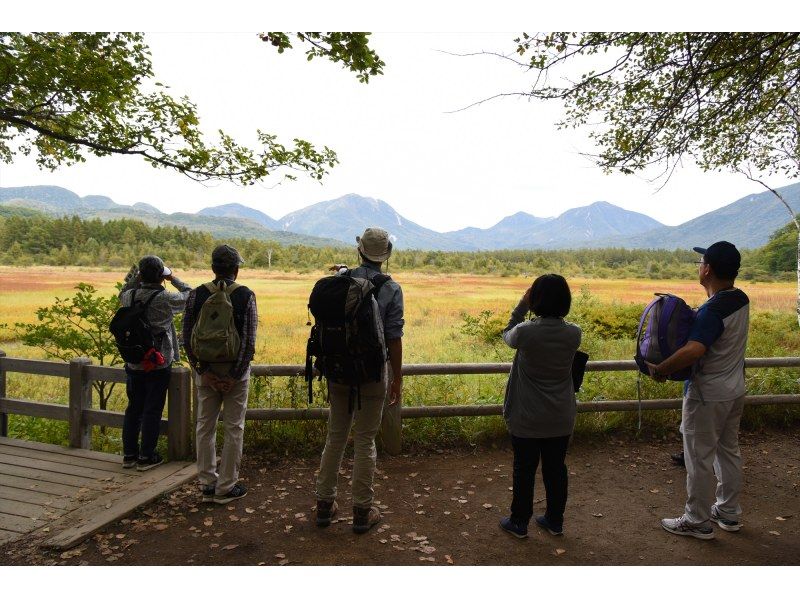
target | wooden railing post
x=80, y=398
x=3, y=415
x=179, y=423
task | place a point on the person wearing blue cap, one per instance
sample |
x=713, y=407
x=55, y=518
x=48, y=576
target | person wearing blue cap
x=713, y=397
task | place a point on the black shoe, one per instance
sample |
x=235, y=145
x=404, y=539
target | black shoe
x=326, y=510
x=208, y=493
x=238, y=491
x=512, y=527
x=364, y=518
x=555, y=530
x=129, y=461
x=677, y=459
x=145, y=463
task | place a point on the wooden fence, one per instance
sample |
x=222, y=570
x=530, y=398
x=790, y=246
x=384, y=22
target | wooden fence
x=179, y=428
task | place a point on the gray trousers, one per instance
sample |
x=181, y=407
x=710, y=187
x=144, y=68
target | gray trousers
x=711, y=450
x=234, y=405
x=365, y=423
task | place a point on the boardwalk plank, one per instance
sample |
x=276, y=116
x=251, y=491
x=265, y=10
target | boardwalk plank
x=23, y=509
x=33, y=497
x=96, y=515
x=16, y=523
x=50, y=488
x=51, y=476
x=19, y=451
x=53, y=448
x=87, y=473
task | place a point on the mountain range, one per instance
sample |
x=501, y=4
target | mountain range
x=747, y=222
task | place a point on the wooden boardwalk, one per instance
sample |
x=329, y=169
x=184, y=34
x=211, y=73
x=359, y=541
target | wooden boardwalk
x=60, y=496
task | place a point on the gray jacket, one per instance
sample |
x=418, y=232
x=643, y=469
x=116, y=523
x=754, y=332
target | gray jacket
x=540, y=400
x=160, y=313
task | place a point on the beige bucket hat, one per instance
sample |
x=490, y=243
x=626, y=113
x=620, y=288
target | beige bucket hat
x=374, y=244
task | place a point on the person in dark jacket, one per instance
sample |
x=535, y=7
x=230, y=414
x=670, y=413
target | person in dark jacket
x=539, y=406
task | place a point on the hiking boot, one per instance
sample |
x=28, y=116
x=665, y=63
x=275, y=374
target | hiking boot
x=729, y=525
x=326, y=510
x=681, y=527
x=145, y=463
x=364, y=518
x=208, y=493
x=555, y=530
x=514, y=528
x=129, y=461
x=238, y=491
x=678, y=459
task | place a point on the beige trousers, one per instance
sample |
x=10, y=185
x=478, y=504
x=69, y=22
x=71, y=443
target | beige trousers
x=711, y=450
x=365, y=423
x=234, y=405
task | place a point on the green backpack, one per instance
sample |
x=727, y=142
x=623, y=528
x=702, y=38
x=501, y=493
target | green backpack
x=214, y=336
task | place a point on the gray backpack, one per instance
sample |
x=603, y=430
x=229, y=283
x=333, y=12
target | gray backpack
x=214, y=336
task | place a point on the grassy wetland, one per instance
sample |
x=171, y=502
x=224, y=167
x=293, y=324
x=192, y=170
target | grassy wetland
x=449, y=318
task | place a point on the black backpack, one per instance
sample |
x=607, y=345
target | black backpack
x=347, y=339
x=132, y=331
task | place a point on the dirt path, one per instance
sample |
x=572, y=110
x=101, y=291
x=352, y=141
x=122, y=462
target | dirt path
x=443, y=508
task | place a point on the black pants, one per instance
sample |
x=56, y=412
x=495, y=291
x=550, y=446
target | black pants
x=147, y=393
x=527, y=452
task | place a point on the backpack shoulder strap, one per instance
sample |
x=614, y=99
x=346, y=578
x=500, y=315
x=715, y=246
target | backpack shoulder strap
x=211, y=287
x=641, y=324
x=378, y=281
x=229, y=289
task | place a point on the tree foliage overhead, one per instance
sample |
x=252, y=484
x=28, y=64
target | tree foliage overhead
x=67, y=95
x=729, y=100
x=352, y=49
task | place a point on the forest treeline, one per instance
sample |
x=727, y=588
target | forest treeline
x=30, y=238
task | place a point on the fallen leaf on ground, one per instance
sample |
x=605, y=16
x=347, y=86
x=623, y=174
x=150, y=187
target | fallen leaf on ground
x=654, y=491
x=249, y=510
x=280, y=555
x=427, y=558
x=161, y=527
x=413, y=475
x=230, y=547
x=449, y=559
x=283, y=562
x=487, y=505
x=774, y=533
x=233, y=517
x=597, y=514
x=208, y=522
x=559, y=551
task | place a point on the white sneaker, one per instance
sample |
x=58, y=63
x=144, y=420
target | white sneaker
x=729, y=525
x=681, y=527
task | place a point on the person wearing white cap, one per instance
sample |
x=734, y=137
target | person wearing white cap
x=374, y=248
x=147, y=382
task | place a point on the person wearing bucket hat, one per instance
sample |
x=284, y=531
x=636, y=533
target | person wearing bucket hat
x=221, y=309
x=147, y=382
x=380, y=401
x=713, y=397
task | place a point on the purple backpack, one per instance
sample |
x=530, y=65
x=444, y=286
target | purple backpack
x=667, y=331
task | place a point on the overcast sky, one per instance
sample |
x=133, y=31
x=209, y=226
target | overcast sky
x=397, y=137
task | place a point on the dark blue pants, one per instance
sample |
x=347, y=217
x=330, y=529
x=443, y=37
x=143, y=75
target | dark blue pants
x=527, y=452
x=147, y=393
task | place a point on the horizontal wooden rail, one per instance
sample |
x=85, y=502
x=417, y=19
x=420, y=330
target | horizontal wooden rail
x=113, y=419
x=34, y=408
x=106, y=373
x=34, y=366
x=436, y=369
x=316, y=413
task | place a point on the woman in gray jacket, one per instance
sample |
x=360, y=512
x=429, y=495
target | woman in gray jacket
x=539, y=406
